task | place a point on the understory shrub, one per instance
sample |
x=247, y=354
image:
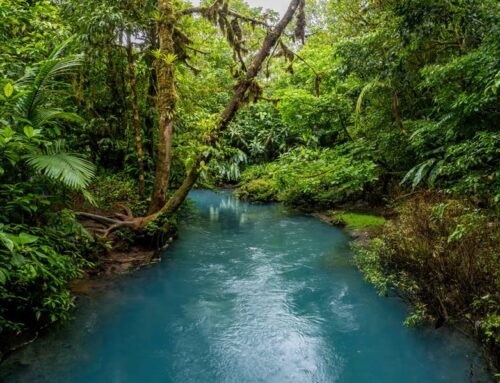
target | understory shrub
x=109, y=190
x=258, y=190
x=442, y=256
x=36, y=264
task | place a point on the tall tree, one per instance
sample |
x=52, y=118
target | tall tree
x=171, y=40
x=167, y=99
x=136, y=113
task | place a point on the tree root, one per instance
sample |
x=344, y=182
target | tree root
x=113, y=224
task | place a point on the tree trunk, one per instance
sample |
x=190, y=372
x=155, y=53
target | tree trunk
x=232, y=107
x=136, y=115
x=167, y=99
x=397, y=112
x=150, y=121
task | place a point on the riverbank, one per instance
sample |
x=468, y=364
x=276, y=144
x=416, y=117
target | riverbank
x=110, y=261
x=439, y=253
x=361, y=226
x=396, y=257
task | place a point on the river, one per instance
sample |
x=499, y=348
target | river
x=248, y=293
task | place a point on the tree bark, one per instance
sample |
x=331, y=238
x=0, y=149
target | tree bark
x=167, y=99
x=397, y=112
x=136, y=115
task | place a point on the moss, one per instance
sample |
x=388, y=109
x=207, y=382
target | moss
x=358, y=220
x=259, y=190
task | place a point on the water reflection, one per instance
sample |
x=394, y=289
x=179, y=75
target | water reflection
x=229, y=205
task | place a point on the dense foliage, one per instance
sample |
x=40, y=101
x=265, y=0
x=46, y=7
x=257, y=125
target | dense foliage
x=385, y=101
x=89, y=96
x=40, y=250
x=312, y=176
x=415, y=82
x=116, y=107
x=36, y=264
x=442, y=257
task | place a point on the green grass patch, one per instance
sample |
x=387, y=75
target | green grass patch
x=358, y=220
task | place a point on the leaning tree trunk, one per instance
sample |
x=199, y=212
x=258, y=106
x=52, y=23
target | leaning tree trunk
x=166, y=103
x=136, y=114
x=231, y=109
x=167, y=99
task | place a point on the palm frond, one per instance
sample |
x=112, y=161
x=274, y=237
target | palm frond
x=54, y=56
x=372, y=85
x=41, y=117
x=59, y=49
x=40, y=79
x=72, y=170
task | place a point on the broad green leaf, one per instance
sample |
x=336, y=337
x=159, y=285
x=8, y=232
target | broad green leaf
x=8, y=89
x=25, y=239
x=29, y=131
x=17, y=259
x=7, y=242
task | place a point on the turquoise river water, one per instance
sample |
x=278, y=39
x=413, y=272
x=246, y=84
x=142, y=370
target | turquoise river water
x=248, y=293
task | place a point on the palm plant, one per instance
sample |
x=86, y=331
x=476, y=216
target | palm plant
x=71, y=169
x=41, y=83
x=33, y=108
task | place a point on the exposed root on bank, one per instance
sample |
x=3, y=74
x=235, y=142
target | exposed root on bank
x=113, y=223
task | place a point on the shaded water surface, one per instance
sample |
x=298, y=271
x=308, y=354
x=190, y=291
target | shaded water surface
x=247, y=294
